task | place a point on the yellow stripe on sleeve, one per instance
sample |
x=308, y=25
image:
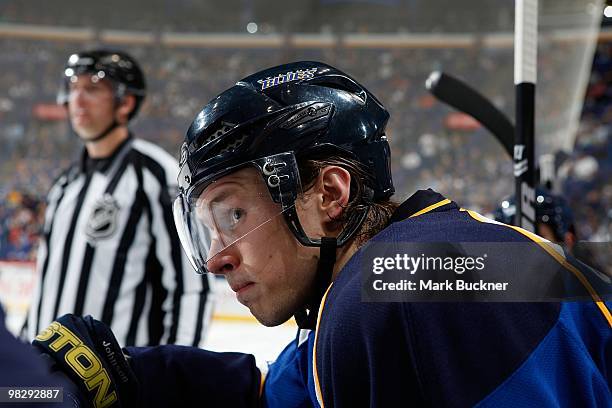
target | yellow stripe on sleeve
x=431, y=207
x=548, y=247
x=314, y=351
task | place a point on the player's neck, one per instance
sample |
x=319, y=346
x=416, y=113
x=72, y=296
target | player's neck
x=343, y=255
x=106, y=146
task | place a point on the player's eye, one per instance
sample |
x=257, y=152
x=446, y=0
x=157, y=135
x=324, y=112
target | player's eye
x=236, y=214
x=229, y=219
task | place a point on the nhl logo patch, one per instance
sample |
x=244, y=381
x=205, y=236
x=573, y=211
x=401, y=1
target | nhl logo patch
x=102, y=221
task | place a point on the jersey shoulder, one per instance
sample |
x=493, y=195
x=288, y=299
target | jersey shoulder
x=453, y=225
x=157, y=160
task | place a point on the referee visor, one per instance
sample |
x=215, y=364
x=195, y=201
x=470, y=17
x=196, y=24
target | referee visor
x=222, y=213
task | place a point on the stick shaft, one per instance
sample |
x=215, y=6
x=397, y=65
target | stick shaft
x=525, y=59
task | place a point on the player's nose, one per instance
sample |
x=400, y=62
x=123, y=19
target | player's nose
x=221, y=260
x=77, y=96
x=221, y=264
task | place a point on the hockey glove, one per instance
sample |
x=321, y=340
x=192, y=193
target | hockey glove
x=87, y=352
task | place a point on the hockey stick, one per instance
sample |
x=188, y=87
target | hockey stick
x=466, y=99
x=462, y=97
x=525, y=52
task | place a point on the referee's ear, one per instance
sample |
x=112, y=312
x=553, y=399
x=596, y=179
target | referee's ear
x=126, y=106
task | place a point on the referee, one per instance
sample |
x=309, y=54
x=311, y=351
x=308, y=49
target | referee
x=110, y=248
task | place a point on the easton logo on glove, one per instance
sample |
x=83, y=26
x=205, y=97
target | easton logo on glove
x=81, y=359
x=86, y=350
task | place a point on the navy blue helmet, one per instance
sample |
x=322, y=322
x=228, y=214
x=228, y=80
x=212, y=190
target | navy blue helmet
x=301, y=107
x=272, y=120
x=118, y=67
x=551, y=209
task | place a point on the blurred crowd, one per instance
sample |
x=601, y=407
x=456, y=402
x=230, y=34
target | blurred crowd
x=461, y=161
x=234, y=15
x=587, y=172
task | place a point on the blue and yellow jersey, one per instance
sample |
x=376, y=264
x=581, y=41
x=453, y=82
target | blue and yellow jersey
x=397, y=354
x=448, y=354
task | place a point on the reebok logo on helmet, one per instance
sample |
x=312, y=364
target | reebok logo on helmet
x=287, y=77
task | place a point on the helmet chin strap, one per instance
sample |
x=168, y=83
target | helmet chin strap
x=306, y=317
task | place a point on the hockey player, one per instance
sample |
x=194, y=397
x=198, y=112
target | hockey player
x=554, y=218
x=24, y=370
x=554, y=222
x=109, y=246
x=286, y=175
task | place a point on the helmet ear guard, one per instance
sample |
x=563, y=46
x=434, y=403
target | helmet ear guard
x=281, y=175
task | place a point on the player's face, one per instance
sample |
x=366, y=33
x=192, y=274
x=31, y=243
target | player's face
x=270, y=271
x=545, y=231
x=91, y=105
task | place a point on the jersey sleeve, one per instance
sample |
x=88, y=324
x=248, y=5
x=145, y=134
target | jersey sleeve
x=188, y=305
x=188, y=302
x=181, y=376
x=286, y=382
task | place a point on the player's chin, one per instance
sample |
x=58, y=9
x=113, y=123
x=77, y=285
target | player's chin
x=269, y=317
x=80, y=123
x=84, y=134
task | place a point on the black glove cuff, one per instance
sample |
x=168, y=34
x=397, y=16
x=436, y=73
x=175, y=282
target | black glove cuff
x=112, y=354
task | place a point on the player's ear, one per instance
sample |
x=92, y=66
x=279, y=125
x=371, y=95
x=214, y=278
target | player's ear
x=334, y=189
x=126, y=106
x=569, y=240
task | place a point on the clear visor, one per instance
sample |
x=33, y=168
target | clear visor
x=227, y=212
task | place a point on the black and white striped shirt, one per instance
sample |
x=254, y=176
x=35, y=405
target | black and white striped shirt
x=111, y=250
